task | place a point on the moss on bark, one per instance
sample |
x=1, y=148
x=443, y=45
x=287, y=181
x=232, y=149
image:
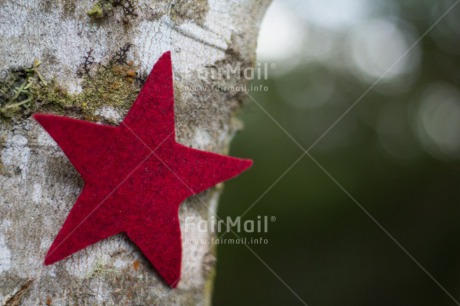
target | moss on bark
x=24, y=91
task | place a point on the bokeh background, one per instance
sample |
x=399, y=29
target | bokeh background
x=396, y=152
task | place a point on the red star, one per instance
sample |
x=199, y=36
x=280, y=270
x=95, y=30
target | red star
x=136, y=175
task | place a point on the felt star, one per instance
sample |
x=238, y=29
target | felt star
x=136, y=175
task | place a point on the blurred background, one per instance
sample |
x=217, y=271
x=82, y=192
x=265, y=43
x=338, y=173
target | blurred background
x=397, y=152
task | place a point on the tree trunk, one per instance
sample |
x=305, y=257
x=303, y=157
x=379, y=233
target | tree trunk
x=88, y=59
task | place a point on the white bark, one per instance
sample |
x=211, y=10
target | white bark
x=39, y=185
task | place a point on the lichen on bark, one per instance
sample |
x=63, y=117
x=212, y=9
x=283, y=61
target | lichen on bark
x=183, y=10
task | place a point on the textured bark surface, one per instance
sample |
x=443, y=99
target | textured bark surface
x=39, y=185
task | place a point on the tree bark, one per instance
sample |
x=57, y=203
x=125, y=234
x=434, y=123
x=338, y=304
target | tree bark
x=94, y=55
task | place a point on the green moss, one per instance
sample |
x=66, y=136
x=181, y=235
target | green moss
x=25, y=91
x=97, y=11
x=104, y=8
x=114, y=86
x=16, y=92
